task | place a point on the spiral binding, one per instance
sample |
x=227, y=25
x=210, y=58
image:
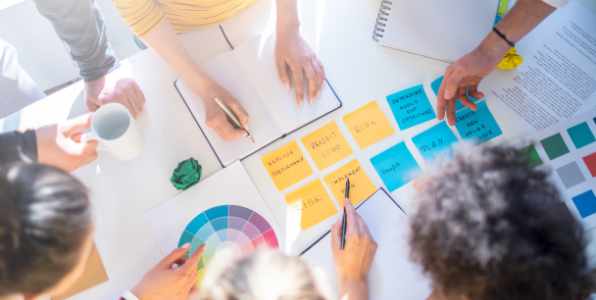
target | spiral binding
x=381, y=22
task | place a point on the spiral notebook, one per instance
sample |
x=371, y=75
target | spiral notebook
x=438, y=29
x=249, y=73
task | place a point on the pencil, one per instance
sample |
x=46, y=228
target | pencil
x=233, y=118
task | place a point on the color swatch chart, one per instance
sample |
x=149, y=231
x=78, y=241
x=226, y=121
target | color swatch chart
x=570, y=151
x=227, y=226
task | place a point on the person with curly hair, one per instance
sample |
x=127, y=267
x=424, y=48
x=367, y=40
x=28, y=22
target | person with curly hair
x=490, y=227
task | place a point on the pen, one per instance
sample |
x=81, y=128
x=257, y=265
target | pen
x=344, y=219
x=233, y=118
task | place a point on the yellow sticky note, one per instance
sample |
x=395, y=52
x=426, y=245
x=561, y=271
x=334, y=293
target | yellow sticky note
x=286, y=165
x=327, y=145
x=316, y=203
x=360, y=184
x=368, y=124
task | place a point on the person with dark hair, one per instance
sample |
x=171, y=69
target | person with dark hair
x=46, y=233
x=490, y=227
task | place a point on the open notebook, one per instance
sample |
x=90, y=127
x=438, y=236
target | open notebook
x=439, y=29
x=249, y=73
x=392, y=275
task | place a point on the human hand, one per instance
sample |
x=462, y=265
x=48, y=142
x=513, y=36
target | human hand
x=125, y=91
x=354, y=261
x=462, y=78
x=165, y=281
x=61, y=145
x=215, y=118
x=297, y=63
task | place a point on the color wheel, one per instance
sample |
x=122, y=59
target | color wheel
x=227, y=225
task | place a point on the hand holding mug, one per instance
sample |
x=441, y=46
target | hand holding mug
x=115, y=130
x=61, y=145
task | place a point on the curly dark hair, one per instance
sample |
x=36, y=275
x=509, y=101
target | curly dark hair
x=45, y=218
x=490, y=227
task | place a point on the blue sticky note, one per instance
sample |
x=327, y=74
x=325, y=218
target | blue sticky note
x=436, y=84
x=396, y=166
x=410, y=107
x=585, y=203
x=434, y=141
x=479, y=125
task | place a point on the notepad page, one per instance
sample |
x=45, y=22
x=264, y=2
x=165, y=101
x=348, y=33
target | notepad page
x=440, y=29
x=392, y=275
x=224, y=69
x=257, y=59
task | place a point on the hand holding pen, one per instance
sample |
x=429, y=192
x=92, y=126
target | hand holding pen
x=353, y=262
x=216, y=118
x=233, y=118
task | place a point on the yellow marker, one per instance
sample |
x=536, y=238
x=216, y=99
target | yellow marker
x=368, y=124
x=361, y=185
x=327, y=145
x=316, y=204
x=286, y=165
x=510, y=61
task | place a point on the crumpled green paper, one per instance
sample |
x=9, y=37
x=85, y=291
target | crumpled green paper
x=186, y=174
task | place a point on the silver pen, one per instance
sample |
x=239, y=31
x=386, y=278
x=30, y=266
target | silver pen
x=233, y=118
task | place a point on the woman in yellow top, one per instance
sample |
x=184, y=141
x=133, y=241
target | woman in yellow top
x=158, y=21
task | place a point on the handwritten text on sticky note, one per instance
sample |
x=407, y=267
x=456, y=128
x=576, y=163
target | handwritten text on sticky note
x=410, y=107
x=327, y=145
x=396, y=166
x=434, y=141
x=316, y=204
x=479, y=125
x=360, y=184
x=368, y=124
x=286, y=165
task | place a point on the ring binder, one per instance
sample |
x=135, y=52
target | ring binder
x=381, y=22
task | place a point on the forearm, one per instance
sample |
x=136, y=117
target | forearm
x=287, y=16
x=521, y=19
x=162, y=38
x=354, y=290
x=79, y=24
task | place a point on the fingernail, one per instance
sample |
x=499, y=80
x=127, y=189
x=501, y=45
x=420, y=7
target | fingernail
x=185, y=246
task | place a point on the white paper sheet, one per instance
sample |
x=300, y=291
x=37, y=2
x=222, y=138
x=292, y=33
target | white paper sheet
x=393, y=275
x=557, y=80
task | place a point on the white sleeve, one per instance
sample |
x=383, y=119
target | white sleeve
x=555, y=3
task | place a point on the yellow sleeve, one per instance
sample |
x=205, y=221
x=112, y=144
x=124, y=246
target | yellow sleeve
x=141, y=15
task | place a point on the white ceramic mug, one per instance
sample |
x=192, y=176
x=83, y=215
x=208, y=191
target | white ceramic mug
x=114, y=128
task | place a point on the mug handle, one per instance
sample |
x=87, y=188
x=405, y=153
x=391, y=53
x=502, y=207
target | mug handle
x=90, y=136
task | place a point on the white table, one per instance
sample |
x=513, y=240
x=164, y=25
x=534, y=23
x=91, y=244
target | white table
x=360, y=70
